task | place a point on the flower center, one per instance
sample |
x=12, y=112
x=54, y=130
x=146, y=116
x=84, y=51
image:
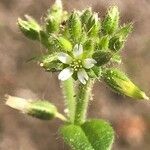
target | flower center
x=76, y=64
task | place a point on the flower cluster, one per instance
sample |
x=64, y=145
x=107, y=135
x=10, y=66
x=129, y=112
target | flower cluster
x=75, y=64
x=81, y=45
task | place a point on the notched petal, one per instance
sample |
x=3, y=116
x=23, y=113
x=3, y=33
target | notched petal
x=65, y=74
x=64, y=58
x=82, y=76
x=78, y=50
x=89, y=63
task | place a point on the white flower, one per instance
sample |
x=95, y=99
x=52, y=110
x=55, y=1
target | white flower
x=75, y=63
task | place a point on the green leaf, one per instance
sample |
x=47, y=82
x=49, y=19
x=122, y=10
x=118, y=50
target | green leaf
x=120, y=83
x=92, y=135
x=99, y=133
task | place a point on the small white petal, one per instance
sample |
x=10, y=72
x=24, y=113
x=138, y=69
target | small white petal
x=78, y=50
x=65, y=74
x=64, y=58
x=82, y=76
x=89, y=63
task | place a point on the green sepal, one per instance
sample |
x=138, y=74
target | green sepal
x=75, y=26
x=29, y=27
x=121, y=84
x=116, y=43
x=87, y=13
x=63, y=43
x=92, y=135
x=116, y=58
x=50, y=63
x=89, y=47
x=125, y=30
x=95, y=72
x=44, y=40
x=94, y=26
x=54, y=17
x=111, y=21
x=102, y=57
x=103, y=43
x=41, y=109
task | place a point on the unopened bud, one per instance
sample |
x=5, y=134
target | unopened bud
x=75, y=26
x=102, y=57
x=54, y=17
x=29, y=27
x=120, y=83
x=38, y=109
x=111, y=21
x=86, y=15
x=116, y=43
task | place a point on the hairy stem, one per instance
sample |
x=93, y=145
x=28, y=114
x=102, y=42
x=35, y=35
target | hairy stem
x=82, y=99
x=69, y=95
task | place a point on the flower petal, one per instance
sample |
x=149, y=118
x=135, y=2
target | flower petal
x=65, y=74
x=89, y=63
x=82, y=76
x=78, y=50
x=64, y=58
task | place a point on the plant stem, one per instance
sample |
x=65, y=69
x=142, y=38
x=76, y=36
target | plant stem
x=69, y=95
x=82, y=99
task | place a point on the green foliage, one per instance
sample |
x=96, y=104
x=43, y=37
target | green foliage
x=92, y=135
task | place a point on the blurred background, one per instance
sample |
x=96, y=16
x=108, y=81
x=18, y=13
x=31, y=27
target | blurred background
x=130, y=118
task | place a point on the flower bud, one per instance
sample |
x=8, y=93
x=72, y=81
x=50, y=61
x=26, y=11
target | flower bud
x=29, y=27
x=116, y=43
x=75, y=26
x=102, y=57
x=54, y=17
x=111, y=21
x=38, y=109
x=120, y=83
